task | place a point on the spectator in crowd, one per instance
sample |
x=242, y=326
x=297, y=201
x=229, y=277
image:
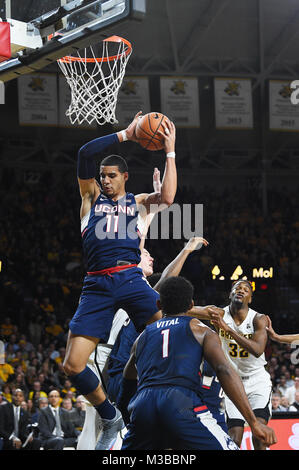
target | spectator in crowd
x=71, y=395
x=42, y=403
x=54, y=330
x=276, y=403
x=13, y=342
x=291, y=391
x=6, y=373
x=20, y=382
x=35, y=329
x=19, y=360
x=6, y=392
x=295, y=405
x=2, y=399
x=56, y=429
x=9, y=353
x=15, y=425
x=68, y=387
x=67, y=404
x=36, y=393
x=282, y=385
x=25, y=345
x=59, y=359
x=77, y=414
x=52, y=351
x=46, y=306
x=284, y=402
x=40, y=352
x=24, y=405
x=7, y=328
x=289, y=381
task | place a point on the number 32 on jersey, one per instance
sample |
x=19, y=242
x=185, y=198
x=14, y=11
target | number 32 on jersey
x=236, y=351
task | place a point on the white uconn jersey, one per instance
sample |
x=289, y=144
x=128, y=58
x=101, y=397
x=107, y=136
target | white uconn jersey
x=245, y=363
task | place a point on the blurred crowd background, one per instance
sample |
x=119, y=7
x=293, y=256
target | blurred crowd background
x=42, y=268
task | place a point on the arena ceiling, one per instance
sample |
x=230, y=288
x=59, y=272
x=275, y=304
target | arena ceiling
x=207, y=38
x=204, y=36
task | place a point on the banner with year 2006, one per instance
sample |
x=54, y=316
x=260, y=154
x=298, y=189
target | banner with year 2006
x=133, y=96
x=233, y=103
x=284, y=116
x=180, y=100
x=37, y=95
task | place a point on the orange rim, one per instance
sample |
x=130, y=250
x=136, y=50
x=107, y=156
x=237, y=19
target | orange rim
x=127, y=51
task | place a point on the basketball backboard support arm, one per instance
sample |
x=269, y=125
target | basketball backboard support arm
x=76, y=24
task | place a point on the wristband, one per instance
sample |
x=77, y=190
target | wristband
x=170, y=155
x=124, y=135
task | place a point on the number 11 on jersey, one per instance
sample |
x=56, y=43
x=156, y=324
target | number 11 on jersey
x=109, y=222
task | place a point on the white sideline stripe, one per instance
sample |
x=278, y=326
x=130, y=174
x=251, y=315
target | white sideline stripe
x=213, y=427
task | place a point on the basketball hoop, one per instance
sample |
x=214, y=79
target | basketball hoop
x=95, y=81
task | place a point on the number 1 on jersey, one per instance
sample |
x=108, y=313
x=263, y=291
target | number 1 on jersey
x=165, y=343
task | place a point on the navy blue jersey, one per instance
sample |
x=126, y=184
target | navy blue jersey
x=212, y=392
x=121, y=350
x=167, y=353
x=109, y=232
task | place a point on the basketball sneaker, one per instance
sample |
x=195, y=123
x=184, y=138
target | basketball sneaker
x=110, y=430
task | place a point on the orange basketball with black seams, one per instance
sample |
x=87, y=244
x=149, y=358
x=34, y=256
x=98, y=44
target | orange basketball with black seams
x=147, y=131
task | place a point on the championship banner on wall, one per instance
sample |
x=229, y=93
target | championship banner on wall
x=233, y=103
x=64, y=100
x=37, y=96
x=283, y=115
x=133, y=96
x=180, y=100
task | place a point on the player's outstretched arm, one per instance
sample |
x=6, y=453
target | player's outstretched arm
x=174, y=268
x=280, y=338
x=86, y=165
x=231, y=382
x=204, y=312
x=86, y=168
x=149, y=217
x=256, y=344
x=161, y=200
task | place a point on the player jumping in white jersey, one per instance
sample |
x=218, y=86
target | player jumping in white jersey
x=244, y=337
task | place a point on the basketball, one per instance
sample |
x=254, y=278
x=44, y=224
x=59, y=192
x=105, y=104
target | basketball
x=147, y=131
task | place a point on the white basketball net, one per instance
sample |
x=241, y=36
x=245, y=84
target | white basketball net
x=95, y=82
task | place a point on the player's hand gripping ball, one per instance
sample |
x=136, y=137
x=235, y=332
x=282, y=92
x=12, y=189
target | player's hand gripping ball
x=147, y=131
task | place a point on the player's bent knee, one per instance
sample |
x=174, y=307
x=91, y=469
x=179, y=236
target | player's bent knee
x=72, y=369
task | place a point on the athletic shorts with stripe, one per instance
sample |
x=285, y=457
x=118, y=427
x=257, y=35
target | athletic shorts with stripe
x=103, y=295
x=168, y=417
x=258, y=388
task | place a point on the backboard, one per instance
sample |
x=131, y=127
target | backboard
x=52, y=29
